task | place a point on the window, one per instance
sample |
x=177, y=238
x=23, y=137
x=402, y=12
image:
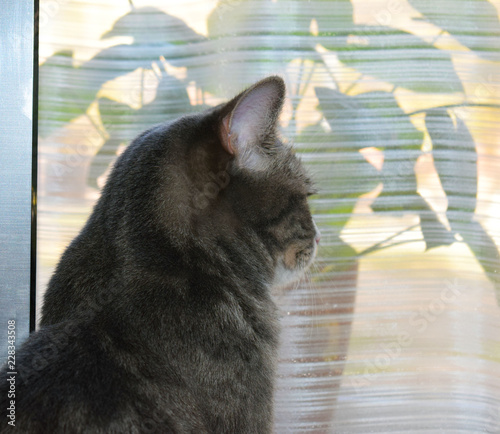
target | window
x=17, y=171
x=394, y=107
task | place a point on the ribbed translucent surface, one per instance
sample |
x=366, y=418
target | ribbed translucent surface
x=394, y=106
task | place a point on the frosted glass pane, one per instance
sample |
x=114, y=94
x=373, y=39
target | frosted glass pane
x=16, y=147
x=394, y=107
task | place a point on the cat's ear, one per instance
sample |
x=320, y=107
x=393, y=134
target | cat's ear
x=249, y=124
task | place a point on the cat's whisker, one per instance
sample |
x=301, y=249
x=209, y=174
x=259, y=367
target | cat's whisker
x=319, y=297
x=310, y=312
x=310, y=305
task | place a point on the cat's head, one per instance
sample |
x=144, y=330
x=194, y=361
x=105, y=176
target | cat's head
x=223, y=181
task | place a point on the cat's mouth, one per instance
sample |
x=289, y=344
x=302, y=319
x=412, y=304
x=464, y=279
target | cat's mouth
x=296, y=260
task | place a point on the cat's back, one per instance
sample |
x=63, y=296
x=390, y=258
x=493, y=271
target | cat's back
x=73, y=378
x=159, y=316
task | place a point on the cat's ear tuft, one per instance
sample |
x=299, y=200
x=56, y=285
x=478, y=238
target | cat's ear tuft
x=251, y=120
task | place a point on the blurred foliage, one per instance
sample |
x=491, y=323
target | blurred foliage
x=466, y=21
x=248, y=39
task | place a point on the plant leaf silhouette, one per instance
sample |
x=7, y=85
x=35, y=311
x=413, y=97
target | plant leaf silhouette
x=343, y=176
x=160, y=34
x=152, y=26
x=123, y=123
x=371, y=118
x=375, y=118
x=455, y=160
x=248, y=42
x=59, y=99
x=473, y=23
x=334, y=19
x=484, y=249
x=66, y=91
x=400, y=58
x=433, y=230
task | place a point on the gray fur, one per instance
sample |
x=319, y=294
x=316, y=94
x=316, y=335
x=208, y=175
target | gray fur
x=159, y=316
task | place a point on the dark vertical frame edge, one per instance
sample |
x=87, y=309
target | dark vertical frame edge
x=34, y=168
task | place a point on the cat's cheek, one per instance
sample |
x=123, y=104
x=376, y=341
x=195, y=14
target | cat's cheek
x=290, y=258
x=290, y=267
x=298, y=258
x=283, y=276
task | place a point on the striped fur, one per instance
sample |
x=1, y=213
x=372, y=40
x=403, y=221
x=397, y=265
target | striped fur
x=159, y=316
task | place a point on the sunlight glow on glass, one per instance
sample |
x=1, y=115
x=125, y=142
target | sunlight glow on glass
x=394, y=106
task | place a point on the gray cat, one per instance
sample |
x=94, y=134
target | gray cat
x=159, y=316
